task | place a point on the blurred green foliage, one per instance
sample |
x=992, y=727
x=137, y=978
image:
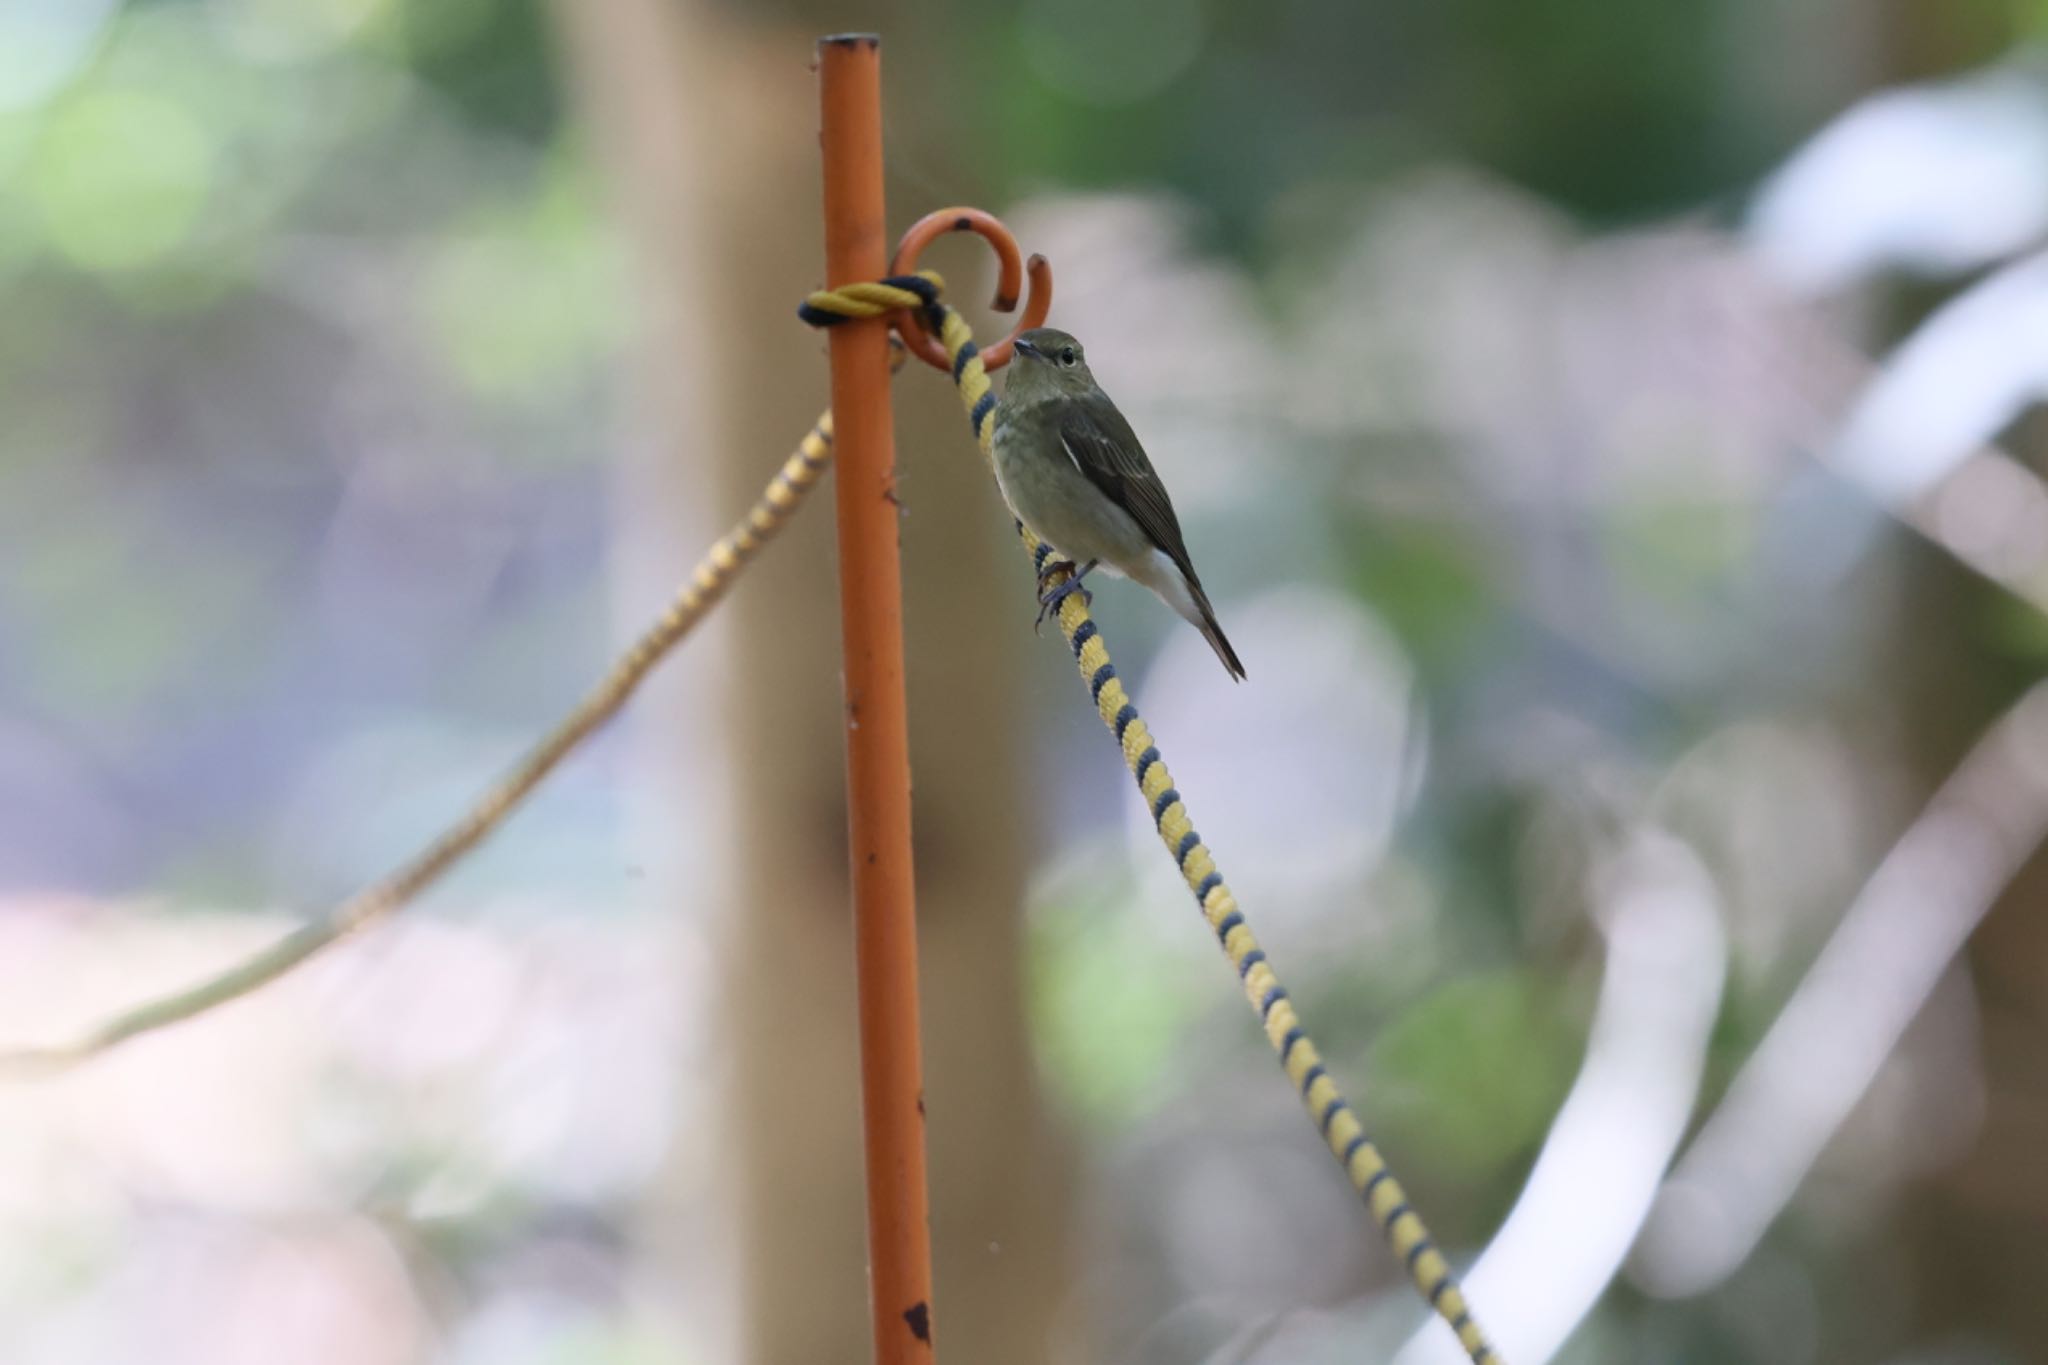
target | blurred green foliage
x=1094, y=987
x=1474, y=1072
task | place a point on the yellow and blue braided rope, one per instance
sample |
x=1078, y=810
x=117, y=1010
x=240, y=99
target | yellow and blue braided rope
x=1359, y=1156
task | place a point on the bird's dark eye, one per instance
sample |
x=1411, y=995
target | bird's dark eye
x=1067, y=356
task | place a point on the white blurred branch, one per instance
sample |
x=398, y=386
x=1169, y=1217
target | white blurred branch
x=1980, y=360
x=1938, y=178
x=1915, y=431
x=1941, y=179
x=1597, y=1174
x=1869, y=981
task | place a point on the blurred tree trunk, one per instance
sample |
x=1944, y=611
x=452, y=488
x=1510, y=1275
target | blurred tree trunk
x=706, y=126
x=1975, y=1230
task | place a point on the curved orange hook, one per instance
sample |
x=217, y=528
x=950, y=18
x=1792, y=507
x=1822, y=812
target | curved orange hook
x=1013, y=272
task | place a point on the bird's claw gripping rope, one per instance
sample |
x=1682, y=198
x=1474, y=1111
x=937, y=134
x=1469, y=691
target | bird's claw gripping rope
x=920, y=293
x=1049, y=577
x=1053, y=590
x=1052, y=570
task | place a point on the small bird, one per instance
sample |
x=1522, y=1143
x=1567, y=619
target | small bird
x=1072, y=470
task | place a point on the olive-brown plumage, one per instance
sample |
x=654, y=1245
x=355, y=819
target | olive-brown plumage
x=1072, y=470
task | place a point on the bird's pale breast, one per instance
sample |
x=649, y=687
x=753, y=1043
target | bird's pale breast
x=1050, y=494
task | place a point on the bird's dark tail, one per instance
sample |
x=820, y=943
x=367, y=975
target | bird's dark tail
x=1205, y=621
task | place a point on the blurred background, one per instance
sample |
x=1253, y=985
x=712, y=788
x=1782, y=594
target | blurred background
x=1604, y=425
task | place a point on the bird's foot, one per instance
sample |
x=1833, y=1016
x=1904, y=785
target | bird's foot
x=1054, y=567
x=1049, y=599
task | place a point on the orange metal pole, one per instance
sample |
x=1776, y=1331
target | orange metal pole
x=877, y=731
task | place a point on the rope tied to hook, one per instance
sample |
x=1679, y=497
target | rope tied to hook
x=922, y=292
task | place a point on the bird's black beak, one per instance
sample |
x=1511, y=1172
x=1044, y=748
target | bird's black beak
x=1026, y=348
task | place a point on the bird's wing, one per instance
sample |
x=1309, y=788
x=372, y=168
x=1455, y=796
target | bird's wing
x=1102, y=445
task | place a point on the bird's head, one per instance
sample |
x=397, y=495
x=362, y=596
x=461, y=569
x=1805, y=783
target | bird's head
x=1050, y=361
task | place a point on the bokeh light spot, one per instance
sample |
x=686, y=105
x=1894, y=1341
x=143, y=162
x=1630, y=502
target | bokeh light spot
x=120, y=178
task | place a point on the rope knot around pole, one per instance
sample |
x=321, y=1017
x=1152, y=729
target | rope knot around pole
x=919, y=295
x=872, y=298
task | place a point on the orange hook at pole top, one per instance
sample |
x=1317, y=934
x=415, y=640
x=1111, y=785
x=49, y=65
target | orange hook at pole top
x=877, y=730
x=1012, y=270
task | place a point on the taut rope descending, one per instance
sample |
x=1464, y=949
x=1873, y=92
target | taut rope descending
x=707, y=584
x=1358, y=1154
